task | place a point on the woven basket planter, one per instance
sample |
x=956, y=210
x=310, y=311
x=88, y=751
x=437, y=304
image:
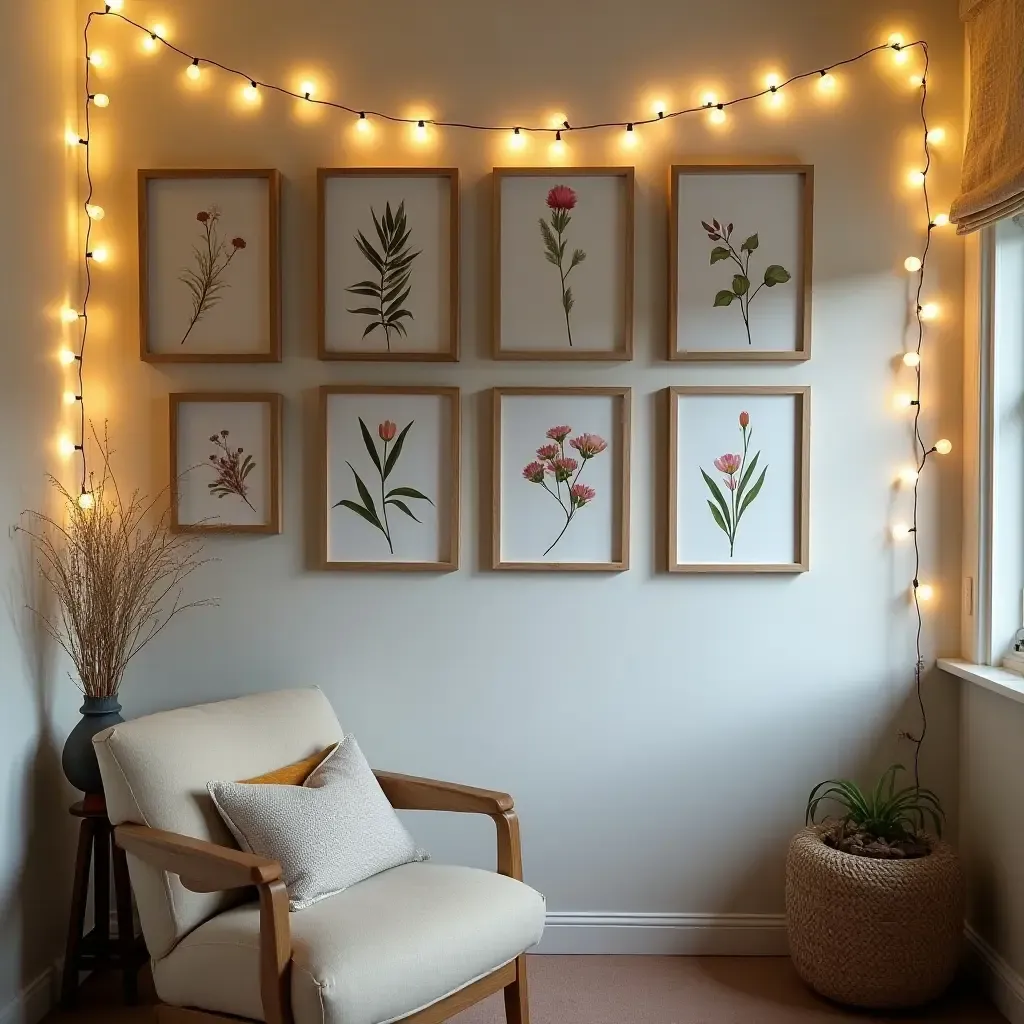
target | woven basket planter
x=879, y=934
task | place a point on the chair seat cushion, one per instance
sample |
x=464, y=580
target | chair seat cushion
x=377, y=952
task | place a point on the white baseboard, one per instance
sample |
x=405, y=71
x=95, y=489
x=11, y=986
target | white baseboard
x=1004, y=985
x=665, y=934
x=33, y=1004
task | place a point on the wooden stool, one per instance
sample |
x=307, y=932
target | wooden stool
x=96, y=949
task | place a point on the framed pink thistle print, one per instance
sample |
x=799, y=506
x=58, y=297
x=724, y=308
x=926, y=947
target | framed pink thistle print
x=389, y=478
x=225, y=462
x=563, y=263
x=209, y=267
x=739, y=479
x=560, y=479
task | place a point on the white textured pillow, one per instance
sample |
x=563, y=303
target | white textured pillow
x=334, y=830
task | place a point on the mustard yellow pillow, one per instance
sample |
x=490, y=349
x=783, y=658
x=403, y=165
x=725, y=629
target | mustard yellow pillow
x=292, y=774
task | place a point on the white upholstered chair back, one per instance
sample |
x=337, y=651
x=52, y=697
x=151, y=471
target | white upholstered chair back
x=155, y=770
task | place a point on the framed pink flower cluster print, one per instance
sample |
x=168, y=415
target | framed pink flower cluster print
x=225, y=462
x=389, y=497
x=560, y=483
x=563, y=263
x=739, y=495
x=388, y=277
x=740, y=262
x=209, y=274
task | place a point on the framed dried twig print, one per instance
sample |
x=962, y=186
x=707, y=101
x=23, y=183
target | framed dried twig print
x=209, y=270
x=389, y=463
x=560, y=478
x=388, y=263
x=563, y=263
x=226, y=462
x=740, y=256
x=739, y=479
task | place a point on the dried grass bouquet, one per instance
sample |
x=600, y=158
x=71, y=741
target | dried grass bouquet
x=116, y=572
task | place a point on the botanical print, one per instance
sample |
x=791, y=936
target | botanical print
x=773, y=274
x=738, y=472
x=213, y=255
x=231, y=470
x=561, y=199
x=563, y=470
x=393, y=265
x=384, y=463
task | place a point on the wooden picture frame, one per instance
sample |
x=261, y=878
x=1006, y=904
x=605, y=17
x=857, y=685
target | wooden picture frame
x=447, y=349
x=804, y=245
x=618, y=473
x=801, y=395
x=269, y=286
x=447, y=519
x=622, y=350
x=271, y=479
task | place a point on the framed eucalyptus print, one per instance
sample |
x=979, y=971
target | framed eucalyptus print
x=739, y=479
x=225, y=462
x=388, y=263
x=563, y=263
x=209, y=270
x=740, y=262
x=389, y=496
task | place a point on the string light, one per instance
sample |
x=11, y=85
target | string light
x=72, y=138
x=915, y=178
x=97, y=58
x=251, y=93
x=936, y=136
x=193, y=71
x=518, y=140
x=900, y=55
x=67, y=447
x=924, y=591
x=362, y=122
x=918, y=81
x=99, y=254
x=66, y=357
x=629, y=140
x=307, y=89
x=909, y=476
x=943, y=446
x=940, y=220
x=660, y=106
x=901, y=531
x=155, y=38
x=826, y=81
x=912, y=264
x=70, y=398
x=929, y=311
x=94, y=212
x=86, y=501
x=904, y=400
x=115, y=5
x=421, y=131
x=911, y=359
x=773, y=83
x=101, y=99
x=69, y=315
x=558, y=146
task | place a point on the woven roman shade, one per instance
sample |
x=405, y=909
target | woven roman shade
x=992, y=181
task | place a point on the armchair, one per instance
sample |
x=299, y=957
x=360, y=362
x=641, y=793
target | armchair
x=416, y=944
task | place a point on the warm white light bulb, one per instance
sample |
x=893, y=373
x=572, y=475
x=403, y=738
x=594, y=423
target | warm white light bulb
x=97, y=58
x=517, y=139
x=115, y=5
x=717, y=116
x=936, y=135
x=363, y=124
x=629, y=138
x=912, y=264
x=827, y=82
x=941, y=220
x=911, y=359
x=193, y=72
x=925, y=592
x=72, y=138
x=900, y=531
x=66, y=446
x=70, y=398
x=903, y=400
x=99, y=254
x=660, y=107
x=95, y=212
x=101, y=99
x=929, y=311
x=896, y=39
x=943, y=446
x=917, y=80
x=86, y=501
x=69, y=315
x=915, y=178
x=149, y=44
x=558, y=147
x=251, y=93
x=420, y=131
x=66, y=357
x=709, y=99
x=307, y=89
x=908, y=476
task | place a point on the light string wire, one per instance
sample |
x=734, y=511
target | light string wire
x=917, y=739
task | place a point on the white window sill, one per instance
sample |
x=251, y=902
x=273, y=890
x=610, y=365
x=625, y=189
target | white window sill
x=998, y=680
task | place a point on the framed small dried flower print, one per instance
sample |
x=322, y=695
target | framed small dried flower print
x=388, y=263
x=389, y=497
x=560, y=478
x=740, y=262
x=739, y=472
x=563, y=263
x=226, y=462
x=209, y=270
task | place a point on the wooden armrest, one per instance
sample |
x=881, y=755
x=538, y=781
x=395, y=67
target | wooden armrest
x=411, y=793
x=202, y=866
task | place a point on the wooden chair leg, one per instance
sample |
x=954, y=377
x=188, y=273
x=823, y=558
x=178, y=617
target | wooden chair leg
x=76, y=924
x=517, y=1002
x=125, y=926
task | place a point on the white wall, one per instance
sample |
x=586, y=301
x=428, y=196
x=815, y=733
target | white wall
x=36, y=48
x=659, y=734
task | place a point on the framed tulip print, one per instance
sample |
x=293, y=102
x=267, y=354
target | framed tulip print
x=739, y=479
x=560, y=479
x=225, y=462
x=740, y=255
x=388, y=263
x=563, y=263
x=389, y=464
x=209, y=268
